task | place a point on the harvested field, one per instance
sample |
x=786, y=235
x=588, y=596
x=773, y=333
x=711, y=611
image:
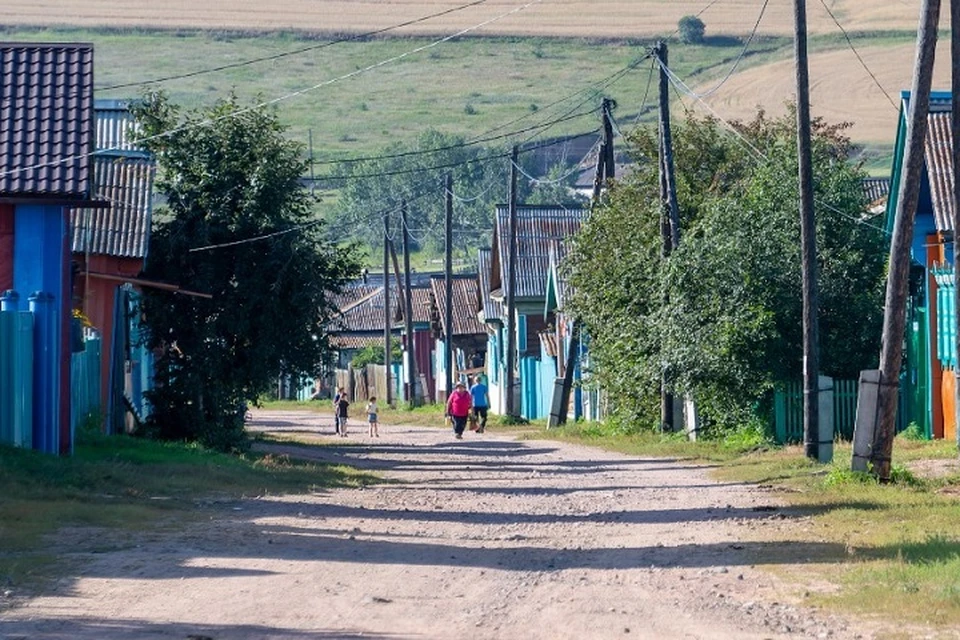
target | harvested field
x=577, y=18
x=840, y=88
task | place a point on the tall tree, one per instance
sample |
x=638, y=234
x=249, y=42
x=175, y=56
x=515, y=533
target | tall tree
x=236, y=225
x=731, y=330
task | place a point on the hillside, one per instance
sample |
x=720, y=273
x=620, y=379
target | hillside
x=571, y=18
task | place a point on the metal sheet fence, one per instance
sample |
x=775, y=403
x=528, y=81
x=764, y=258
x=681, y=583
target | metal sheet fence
x=85, y=382
x=16, y=378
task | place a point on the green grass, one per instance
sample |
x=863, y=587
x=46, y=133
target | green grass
x=120, y=483
x=498, y=78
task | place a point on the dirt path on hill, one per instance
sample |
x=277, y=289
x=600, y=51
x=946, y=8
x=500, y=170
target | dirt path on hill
x=486, y=537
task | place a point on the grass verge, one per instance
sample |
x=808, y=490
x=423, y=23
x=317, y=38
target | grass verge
x=891, y=551
x=120, y=483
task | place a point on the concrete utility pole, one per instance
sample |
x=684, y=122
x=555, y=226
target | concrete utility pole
x=808, y=243
x=408, y=312
x=448, y=288
x=387, y=320
x=955, y=128
x=670, y=220
x=512, y=288
x=894, y=317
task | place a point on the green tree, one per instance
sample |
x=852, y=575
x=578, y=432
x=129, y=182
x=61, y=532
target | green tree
x=692, y=29
x=730, y=329
x=557, y=188
x=373, y=354
x=228, y=174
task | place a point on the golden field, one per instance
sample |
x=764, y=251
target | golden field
x=570, y=18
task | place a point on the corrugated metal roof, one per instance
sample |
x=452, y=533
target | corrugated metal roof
x=537, y=228
x=361, y=310
x=122, y=229
x=938, y=154
x=356, y=340
x=464, y=289
x=420, y=304
x=876, y=189
x=123, y=177
x=46, y=120
x=491, y=309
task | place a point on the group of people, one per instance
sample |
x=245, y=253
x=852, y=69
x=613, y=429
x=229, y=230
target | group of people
x=462, y=406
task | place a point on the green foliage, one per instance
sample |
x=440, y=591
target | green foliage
x=228, y=173
x=721, y=318
x=912, y=432
x=691, y=29
x=373, y=354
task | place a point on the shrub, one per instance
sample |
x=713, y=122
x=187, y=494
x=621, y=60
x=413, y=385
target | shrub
x=691, y=29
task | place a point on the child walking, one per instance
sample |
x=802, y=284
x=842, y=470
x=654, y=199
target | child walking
x=372, y=417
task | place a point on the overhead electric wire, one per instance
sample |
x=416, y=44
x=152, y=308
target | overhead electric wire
x=863, y=63
x=278, y=56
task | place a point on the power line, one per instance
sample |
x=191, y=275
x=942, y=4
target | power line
x=857, y=53
x=278, y=56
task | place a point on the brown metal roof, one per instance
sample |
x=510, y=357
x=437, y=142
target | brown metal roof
x=361, y=309
x=46, y=121
x=537, y=228
x=937, y=152
x=491, y=309
x=123, y=177
x=464, y=290
x=356, y=340
x=420, y=303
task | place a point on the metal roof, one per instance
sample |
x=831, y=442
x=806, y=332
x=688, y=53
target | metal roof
x=537, y=228
x=491, y=309
x=465, y=293
x=46, y=120
x=420, y=304
x=361, y=309
x=938, y=154
x=123, y=178
x=876, y=189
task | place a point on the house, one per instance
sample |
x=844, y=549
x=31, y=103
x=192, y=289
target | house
x=421, y=304
x=46, y=151
x=490, y=312
x=110, y=246
x=928, y=377
x=469, y=335
x=360, y=321
x=539, y=227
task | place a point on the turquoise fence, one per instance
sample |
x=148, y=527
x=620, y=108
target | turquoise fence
x=788, y=411
x=85, y=381
x=16, y=377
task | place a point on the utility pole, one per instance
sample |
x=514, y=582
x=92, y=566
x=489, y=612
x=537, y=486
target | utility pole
x=670, y=220
x=408, y=312
x=512, y=287
x=448, y=287
x=387, y=320
x=894, y=316
x=955, y=128
x=808, y=243
x=604, y=172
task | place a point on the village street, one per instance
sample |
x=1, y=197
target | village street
x=488, y=537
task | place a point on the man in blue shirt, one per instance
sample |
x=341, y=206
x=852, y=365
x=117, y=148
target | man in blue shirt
x=481, y=402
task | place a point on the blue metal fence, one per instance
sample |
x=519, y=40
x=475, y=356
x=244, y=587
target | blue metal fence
x=85, y=381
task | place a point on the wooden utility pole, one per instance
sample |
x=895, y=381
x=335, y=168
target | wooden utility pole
x=448, y=288
x=955, y=128
x=387, y=320
x=808, y=243
x=670, y=220
x=512, y=288
x=895, y=306
x=604, y=172
x=411, y=363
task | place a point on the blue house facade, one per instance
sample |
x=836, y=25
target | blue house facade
x=46, y=151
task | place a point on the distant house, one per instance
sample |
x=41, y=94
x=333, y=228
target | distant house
x=489, y=311
x=422, y=345
x=110, y=246
x=46, y=151
x=930, y=359
x=469, y=344
x=538, y=229
x=360, y=321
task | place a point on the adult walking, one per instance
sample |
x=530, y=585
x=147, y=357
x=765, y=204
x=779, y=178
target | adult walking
x=480, y=395
x=458, y=408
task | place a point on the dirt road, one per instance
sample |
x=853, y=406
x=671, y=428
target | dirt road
x=485, y=537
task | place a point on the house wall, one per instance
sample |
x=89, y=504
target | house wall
x=41, y=264
x=6, y=246
x=495, y=373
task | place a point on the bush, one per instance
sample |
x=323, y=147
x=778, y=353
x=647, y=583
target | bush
x=691, y=29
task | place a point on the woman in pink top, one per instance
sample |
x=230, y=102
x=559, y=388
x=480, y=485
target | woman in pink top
x=458, y=407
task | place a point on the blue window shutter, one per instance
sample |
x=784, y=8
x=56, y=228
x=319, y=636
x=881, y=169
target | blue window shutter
x=522, y=331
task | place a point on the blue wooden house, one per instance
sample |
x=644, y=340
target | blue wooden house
x=928, y=377
x=539, y=227
x=46, y=152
